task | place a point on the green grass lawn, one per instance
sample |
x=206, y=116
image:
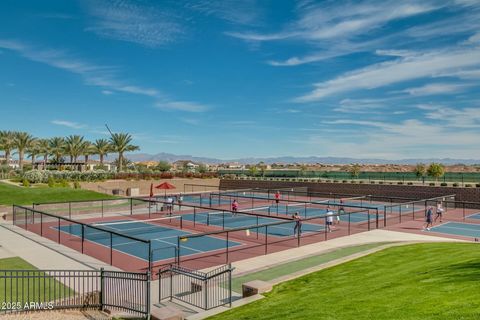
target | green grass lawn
x=295, y=266
x=421, y=281
x=10, y=194
x=14, y=290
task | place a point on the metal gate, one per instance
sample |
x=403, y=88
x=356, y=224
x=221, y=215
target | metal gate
x=37, y=290
x=205, y=290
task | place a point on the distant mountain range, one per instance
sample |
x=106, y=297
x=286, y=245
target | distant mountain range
x=136, y=157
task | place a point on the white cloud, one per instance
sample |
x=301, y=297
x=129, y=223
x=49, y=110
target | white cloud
x=323, y=21
x=412, y=137
x=69, y=124
x=455, y=118
x=182, y=106
x=400, y=70
x=245, y=12
x=133, y=22
x=105, y=77
x=435, y=89
x=107, y=92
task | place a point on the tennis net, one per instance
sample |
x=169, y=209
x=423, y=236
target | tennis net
x=135, y=227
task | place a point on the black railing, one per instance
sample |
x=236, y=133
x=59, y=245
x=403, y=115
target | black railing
x=205, y=290
x=95, y=241
x=250, y=239
x=38, y=290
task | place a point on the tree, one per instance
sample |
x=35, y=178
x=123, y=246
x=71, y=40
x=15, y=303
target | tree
x=120, y=144
x=44, y=149
x=355, y=170
x=101, y=147
x=202, y=168
x=253, y=171
x=163, y=166
x=420, y=171
x=7, y=143
x=57, y=148
x=74, y=145
x=87, y=149
x=436, y=170
x=33, y=150
x=23, y=141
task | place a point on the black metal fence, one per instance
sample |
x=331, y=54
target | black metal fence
x=38, y=290
x=95, y=241
x=205, y=290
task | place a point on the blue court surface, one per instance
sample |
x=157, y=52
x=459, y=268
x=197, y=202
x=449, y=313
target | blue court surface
x=164, y=239
x=312, y=212
x=229, y=221
x=458, y=229
x=474, y=216
x=204, y=200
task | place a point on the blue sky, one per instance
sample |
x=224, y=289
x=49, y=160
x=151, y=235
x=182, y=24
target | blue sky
x=385, y=79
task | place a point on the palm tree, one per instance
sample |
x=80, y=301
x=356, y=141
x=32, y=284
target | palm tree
x=7, y=143
x=33, y=150
x=121, y=143
x=23, y=141
x=44, y=149
x=102, y=147
x=87, y=150
x=57, y=148
x=74, y=145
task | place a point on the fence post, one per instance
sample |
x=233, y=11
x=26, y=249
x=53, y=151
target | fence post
x=83, y=234
x=150, y=257
x=70, y=210
x=230, y=284
x=102, y=288
x=148, y=293
x=131, y=206
x=205, y=290
x=227, y=248
x=102, y=207
x=111, y=248
x=266, y=239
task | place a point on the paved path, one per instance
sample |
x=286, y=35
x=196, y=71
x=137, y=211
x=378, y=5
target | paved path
x=264, y=262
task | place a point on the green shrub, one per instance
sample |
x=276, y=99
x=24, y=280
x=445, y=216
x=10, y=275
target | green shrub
x=380, y=182
x=410, y=183
x=455, y=184
x=344, y=181
x=400, y=182
x=468, y=185
x=353, y=181
x=443, y=184
x=335, y=181
x=477, y=185
x=25, y=183
x=361, y=181
x=51, y=182
x=64, y=183
x=76, y=185
x=432, y=184
x=372, y=182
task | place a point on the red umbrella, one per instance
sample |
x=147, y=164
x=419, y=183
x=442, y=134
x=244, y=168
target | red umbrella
x=165, y=186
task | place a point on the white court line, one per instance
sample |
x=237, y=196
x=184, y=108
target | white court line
x=181, y=246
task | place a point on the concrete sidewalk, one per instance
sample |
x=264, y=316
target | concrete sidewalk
x=374, y=236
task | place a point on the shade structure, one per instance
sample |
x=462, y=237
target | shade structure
x=165, y=186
